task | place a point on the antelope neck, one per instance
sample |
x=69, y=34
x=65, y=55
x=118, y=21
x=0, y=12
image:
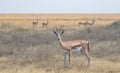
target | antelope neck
x=60, y=41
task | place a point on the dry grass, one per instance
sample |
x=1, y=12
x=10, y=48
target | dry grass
x=98, y=66
x=69, y=20
x=37, y=51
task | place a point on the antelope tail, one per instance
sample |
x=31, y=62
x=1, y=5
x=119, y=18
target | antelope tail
x=88, y=47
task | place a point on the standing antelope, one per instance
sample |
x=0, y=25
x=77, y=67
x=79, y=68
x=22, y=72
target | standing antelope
x=35, y=23
x=45, y=24
x=71, y=46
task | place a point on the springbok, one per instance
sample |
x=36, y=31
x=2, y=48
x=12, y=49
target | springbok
x=35, y=23
x=45, y=24
x=74, y=45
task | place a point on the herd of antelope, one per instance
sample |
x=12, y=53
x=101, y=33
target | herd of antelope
x=45, y=24
x=70, y=46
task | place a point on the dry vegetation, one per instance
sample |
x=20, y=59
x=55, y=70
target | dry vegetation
x=37, y=51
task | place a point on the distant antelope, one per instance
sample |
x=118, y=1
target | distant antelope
x=73, y=46
x=45, y=24
x=86, y=23
x=35, y=23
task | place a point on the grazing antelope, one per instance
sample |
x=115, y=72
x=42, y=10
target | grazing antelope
x=72, y=46
x=45, y=24
x=35, y=23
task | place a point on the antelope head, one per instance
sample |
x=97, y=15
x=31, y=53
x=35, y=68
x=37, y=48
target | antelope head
x=58, y=33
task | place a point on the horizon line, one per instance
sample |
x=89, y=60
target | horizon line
x=59, y=13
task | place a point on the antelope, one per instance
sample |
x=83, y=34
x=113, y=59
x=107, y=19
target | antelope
x=73, y=46
x=35, y=23
x=44, y=24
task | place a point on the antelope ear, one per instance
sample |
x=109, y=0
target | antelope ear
x=54, y=32
x=62, y=32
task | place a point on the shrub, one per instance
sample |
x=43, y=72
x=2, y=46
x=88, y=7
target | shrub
x=5, y=25
x=116, y=24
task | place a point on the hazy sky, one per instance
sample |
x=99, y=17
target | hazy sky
x=59, y=6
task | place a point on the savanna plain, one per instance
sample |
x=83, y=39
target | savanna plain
x=28, y=49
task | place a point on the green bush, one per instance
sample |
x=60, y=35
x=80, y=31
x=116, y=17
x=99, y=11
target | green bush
x=5, y=25
x=116, y=24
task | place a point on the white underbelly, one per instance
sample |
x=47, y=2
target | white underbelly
x=77, y=49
